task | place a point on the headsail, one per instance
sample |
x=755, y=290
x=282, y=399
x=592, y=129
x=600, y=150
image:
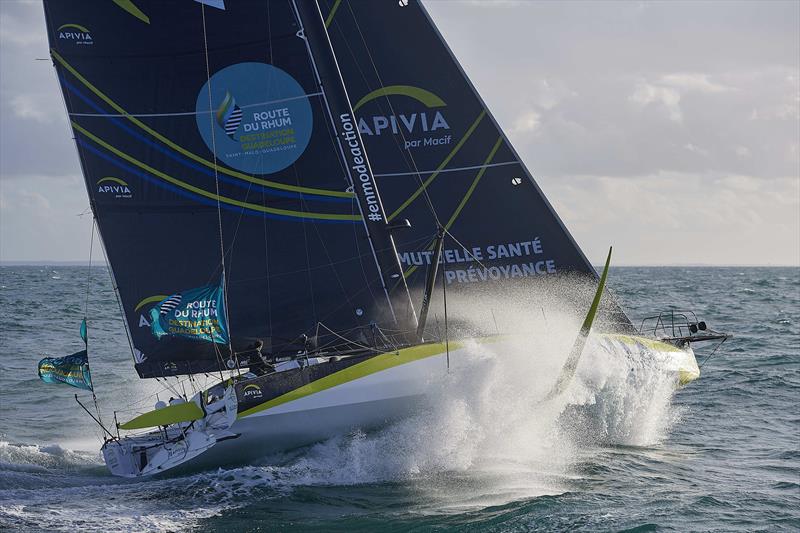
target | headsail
x=201, y=126
x=431, y=137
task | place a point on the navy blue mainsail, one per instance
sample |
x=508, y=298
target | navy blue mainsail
x=284, y=146
x=204, y=131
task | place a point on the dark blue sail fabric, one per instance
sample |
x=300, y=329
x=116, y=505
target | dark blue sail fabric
x=202, y=129
x=436, y=148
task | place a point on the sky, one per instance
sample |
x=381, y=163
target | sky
x=670, y=130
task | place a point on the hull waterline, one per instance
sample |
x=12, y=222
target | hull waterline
x=369, y=402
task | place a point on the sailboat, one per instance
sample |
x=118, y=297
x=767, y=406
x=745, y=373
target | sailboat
x=282, y=188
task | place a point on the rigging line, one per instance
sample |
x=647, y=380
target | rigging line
x=89, y=273
x=64, y=98
x=348, y=341
x=346, y=41
x=350, y=259
x=460, y=207
x=335, y=271
x=717, y=347
x=329, y=128
x=334, y=311
x=216, y=182
x=345, y=173
x=332, y=135
x=444, y=299
x=308, y=257
x=264, y=202
x=301, y=33
x=443, y=171
x=115, y=286
x=85, y=316
x=190, y=113
x=445, y=161
x=428, y=200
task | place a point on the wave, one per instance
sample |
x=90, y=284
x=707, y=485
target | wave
x=485, y=438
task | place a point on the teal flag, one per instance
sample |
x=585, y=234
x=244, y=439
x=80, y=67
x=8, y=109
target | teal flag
x=72, y=370
x=193, y=314
x=84, y=334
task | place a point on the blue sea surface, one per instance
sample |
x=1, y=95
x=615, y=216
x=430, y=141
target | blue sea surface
x=722, y=454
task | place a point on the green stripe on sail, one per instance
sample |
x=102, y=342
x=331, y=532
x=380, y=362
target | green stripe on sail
x=208, y=194
x=191, y=155
x=332, y=13
x=443, y=164
x=172, y=414
x=464, y=200
x=131, y=8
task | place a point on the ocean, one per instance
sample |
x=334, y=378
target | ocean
x=630, y=453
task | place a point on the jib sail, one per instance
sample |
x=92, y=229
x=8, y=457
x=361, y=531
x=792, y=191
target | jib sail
x=203, y=134
x=436, y=149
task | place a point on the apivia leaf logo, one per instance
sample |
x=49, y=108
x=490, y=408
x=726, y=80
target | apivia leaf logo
x=115, y=187
x=75, y=34
x=423, y=124
x=144, y=306
x=252, y=392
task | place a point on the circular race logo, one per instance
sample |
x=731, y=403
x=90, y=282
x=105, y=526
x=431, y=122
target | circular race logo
x=261, y=119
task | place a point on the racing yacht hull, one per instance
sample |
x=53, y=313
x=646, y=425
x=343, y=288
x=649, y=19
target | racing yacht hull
x=375, y=392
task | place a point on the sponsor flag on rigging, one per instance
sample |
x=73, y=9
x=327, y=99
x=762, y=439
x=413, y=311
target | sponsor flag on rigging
x=72, y=370
x=197, y=314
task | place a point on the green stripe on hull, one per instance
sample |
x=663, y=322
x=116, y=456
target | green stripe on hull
x=648, y=343
x=366, y=368
x=389, y=360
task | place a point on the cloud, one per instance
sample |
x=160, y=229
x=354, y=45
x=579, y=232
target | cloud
x=40, y=218
x=685, y=81
x=25, y=106
x=18, y=24
x=645, y=94
x=688, y=218
x=680, y=119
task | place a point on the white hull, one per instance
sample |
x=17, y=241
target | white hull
x=365, y=403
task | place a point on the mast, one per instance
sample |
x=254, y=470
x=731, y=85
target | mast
x=359, y=170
